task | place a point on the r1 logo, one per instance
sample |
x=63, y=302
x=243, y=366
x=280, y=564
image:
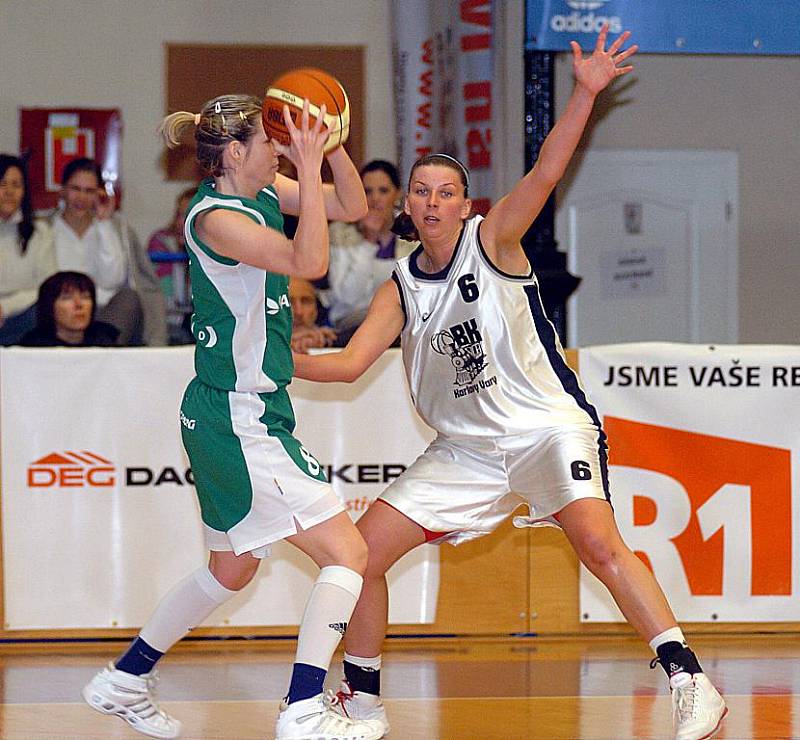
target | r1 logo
x=710, y=516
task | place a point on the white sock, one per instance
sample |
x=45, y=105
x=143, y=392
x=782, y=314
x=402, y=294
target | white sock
x=183, y=608
x=326, y=615
x=371, y=664
x=674, y=634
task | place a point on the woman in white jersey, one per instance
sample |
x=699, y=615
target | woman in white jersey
x=255, y=481
x=486, y=370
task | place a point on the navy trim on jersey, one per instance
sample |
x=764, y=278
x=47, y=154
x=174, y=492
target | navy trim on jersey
x=494, y=267
x=397, y=282
x=569, y=381
x=445, y=271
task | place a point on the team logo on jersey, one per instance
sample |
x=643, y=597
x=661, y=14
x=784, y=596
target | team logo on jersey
x=274, y=306
x=463, y=344
x=205, y=335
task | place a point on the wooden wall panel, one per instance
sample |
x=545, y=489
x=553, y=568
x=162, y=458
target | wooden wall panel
x=198, y=72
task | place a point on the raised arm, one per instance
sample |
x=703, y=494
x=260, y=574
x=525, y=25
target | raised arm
x=380, y=328
x=513, y=214
x=233, y=234
x=344, y=199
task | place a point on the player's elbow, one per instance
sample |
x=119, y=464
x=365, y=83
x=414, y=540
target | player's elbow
x=350, y=376
x=355, y=211
x=360, y=212
x=313, y=270
x=351, y=368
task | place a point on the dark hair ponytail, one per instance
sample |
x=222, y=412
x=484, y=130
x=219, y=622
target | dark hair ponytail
x=404, y=227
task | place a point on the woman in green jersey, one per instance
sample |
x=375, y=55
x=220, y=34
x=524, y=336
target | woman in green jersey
x=255, y=481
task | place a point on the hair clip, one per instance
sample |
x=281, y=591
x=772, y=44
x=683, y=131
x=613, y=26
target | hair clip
x=218, y=107
x=197, y=117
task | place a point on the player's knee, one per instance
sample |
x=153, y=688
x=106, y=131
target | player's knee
x=351, y=554
x=599, y=555
x=234, y=573
x=359, y=556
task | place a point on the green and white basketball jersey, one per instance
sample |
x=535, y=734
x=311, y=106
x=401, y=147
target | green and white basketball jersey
x=242, y=320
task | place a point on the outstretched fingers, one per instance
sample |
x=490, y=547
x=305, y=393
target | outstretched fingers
x=623, y=55
x=618, y=42
x=600, y=44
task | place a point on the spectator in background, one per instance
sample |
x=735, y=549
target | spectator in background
x=65, y=314
x=305, y=312
x=167, y=249
x=363, y=254
x=26, y=252
x=89, y=237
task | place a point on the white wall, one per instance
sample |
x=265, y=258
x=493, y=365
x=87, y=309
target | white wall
x=110, y=53
x=749, y=105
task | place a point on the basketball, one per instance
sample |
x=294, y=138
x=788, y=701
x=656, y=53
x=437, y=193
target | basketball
x=320, y=88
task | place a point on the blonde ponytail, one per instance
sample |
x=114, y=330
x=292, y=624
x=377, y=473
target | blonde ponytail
x=174, y=125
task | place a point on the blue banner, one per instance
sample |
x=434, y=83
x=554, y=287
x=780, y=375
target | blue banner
x=669, y=26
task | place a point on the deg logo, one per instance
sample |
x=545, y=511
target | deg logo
x=71, y=469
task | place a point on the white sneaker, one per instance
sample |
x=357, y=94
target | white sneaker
x=130, y=697
x=697, y=707
x=360, y=705
x=313, y=719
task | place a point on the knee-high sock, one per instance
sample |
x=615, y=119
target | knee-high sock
x=326, y=615
x=183, y=608
x=325, y=619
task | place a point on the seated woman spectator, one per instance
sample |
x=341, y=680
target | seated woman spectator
x=363, y=254
x=65, y=315
x=26, y=252
x=306, y=334
x=90, y=236
x=167, y=248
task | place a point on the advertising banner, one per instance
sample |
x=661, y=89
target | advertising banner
x=668, y=26
x=444, y=86
x=99, y=513
x=704, y=466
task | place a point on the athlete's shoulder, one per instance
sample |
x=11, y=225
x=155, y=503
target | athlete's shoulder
x=472, y=226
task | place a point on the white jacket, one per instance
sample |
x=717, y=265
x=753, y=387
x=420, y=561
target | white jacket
x=355, y=274
x=22, y=274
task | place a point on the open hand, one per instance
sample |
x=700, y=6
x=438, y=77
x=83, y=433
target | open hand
x=596, y=71
x=306, y=143
x=105, y=205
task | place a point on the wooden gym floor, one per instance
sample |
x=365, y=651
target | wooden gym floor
x=434, y=689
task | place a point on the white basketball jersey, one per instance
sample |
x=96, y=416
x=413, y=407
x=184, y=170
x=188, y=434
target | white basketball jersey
x=481, y=357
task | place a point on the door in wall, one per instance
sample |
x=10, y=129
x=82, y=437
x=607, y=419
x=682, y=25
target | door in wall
x=654, y=236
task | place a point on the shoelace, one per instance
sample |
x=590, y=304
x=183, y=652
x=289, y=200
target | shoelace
x=328, y=719
x=338, y=699
x=686, y=700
